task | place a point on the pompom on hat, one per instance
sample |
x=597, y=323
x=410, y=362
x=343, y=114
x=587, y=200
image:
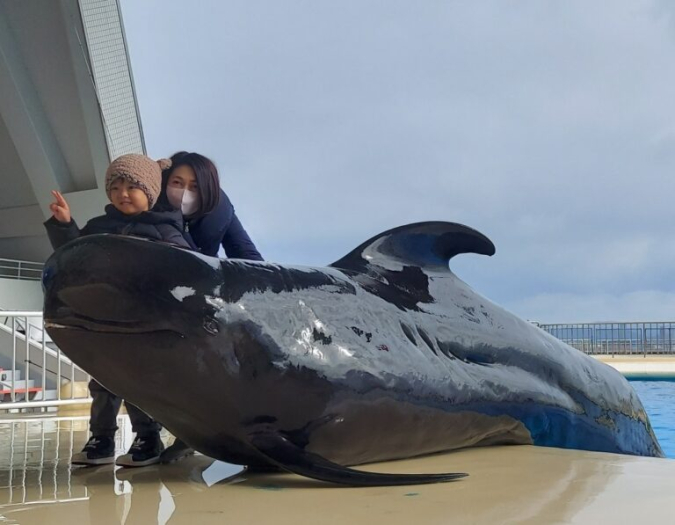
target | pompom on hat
x=140, y=170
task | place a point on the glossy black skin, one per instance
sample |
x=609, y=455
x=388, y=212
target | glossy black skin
x=226, y=387
x=111, y=312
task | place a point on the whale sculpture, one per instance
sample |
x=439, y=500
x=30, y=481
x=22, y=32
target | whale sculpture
x=385, y=354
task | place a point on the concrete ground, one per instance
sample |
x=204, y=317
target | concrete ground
x=520, y=484
x=642, y=367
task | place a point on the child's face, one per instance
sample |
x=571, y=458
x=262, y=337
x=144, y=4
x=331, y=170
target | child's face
x=127, y=197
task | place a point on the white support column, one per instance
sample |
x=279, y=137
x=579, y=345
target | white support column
x=112, y=75
x=88, y=98
x=27, y=124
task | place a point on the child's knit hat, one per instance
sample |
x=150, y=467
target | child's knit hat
x=140, y=170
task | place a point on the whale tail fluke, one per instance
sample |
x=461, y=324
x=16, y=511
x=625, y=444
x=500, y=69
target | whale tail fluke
x=282, y=452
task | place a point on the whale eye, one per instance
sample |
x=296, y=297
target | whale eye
x=211, y=326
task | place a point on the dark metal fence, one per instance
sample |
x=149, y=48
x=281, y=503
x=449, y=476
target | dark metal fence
x=617, y=338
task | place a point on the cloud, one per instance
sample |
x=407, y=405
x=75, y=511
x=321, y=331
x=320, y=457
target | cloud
x=547, y=126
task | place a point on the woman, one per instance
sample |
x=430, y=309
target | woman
x=192, y=185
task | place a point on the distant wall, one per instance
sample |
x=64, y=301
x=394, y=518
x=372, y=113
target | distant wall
x=20, y=295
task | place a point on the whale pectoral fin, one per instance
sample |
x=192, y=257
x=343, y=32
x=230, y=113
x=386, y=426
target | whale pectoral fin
x=282, y=452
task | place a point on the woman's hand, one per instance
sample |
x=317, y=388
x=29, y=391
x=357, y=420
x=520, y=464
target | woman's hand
x=60, y=209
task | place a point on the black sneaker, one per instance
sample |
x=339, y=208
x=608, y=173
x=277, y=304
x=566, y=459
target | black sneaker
x=144, y=451
x=177, y=451
x=99, y=450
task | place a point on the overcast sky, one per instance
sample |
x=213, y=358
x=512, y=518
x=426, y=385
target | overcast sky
x=547, y=126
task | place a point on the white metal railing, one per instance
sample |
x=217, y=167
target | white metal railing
x=26, y=350
x=22, y=270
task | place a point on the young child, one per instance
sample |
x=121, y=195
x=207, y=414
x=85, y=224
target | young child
x=133, y=184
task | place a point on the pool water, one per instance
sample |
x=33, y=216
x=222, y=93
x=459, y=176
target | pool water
x=658, y=397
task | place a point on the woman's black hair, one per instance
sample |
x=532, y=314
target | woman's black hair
x=208, y=183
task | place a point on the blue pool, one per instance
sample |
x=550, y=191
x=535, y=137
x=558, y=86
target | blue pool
x=658, y=397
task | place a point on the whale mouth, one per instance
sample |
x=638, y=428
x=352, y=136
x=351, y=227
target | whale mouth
x=87, y=324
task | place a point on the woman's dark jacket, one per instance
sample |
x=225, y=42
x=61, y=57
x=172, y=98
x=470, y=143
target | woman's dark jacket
x=164, y=226
x=221, y=227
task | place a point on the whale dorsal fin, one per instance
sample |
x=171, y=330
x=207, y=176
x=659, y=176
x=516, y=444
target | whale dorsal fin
x=428, y=245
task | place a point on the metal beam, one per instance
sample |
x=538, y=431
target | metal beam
x=35, y=249
x=22, y=221
x=27, y=221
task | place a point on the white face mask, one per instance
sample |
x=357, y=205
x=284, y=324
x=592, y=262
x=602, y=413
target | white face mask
x=185, y=200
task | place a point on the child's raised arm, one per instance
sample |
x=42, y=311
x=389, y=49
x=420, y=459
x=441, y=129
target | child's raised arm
x=59, y=208
x=61, y=228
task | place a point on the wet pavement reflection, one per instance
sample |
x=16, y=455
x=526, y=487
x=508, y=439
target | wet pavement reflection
x=506, y=485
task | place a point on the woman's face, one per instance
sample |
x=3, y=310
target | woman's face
x=183, y=178
x=182, y=191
